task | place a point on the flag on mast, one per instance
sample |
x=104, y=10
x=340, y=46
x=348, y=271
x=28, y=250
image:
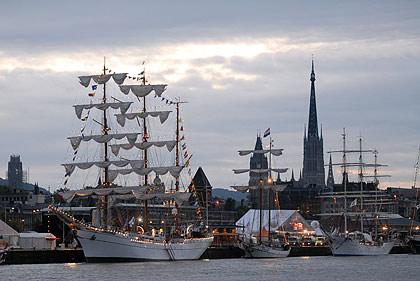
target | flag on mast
x=354, y=203
x=267, y=133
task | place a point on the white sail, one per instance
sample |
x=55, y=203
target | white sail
x=102, y=78
x=75, y=141
x=103, y=164
x=275, y=152
x=143, y=90
x=163, y=115
x=173, y=170
x=274, y=187
x=115, y=148
x=136, y=191
x=260, y=171
x=123, y=106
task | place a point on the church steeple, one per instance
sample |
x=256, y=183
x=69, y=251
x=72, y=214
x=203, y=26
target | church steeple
x=313, y=173
x=330, y=179
x=257, y=161
x=258, y=144
x=313, y=121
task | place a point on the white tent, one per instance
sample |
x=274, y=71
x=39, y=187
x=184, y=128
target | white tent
x=8, y=236
x=31, y=240
x=282, y=220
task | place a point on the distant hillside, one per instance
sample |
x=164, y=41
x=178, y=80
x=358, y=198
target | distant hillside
x=224, y=193
x=26, y=186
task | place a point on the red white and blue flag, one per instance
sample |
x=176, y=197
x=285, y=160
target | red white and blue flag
x=267, y=133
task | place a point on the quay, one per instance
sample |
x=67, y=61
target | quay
x=37, y=256
x=32, y=256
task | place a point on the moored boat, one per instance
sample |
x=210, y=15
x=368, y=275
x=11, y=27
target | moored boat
x=356, y=243
x=101, y=241
x=254, y=246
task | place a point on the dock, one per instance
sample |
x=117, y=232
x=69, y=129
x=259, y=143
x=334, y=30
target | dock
x=36, y=256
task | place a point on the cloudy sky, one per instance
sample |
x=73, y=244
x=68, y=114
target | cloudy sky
x=243, y=66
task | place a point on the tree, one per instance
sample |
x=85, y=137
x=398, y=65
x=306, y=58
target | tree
x=229, y=204
x=240, y=211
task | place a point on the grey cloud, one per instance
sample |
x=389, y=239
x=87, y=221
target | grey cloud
x=366, y=71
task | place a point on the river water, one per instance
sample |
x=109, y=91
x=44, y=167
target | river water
x=390, y=267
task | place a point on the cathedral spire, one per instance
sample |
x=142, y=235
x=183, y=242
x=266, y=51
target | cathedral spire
x=313, y=121
x=330, y=179
x=313, y=173
x=258, y=144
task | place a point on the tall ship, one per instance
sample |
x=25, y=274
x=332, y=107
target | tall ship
x=126, y=153
x=255, y=246
x=363, y=206
x=414, y=235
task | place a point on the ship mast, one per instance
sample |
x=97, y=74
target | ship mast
x=105, y=131
x=261, y=197
x=177, y=164
x=345, y=181
x=361, y=182
x=270, y=181
x=145, y=211
x=416, y=170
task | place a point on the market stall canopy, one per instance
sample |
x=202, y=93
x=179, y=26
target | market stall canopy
x=283, y=220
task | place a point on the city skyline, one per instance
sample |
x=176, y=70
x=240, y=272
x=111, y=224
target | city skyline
x=242, y=66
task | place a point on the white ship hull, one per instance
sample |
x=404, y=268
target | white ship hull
x=99, y=246
x=341, y=246
x=264, y=251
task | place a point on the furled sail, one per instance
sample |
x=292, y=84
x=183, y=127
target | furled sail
x=102, y=78
x=179, y=197
x=75, y=141
x=274, y=187
x=123, y=106
x=173, y=170
x=115, y=148
x=136, y=191
x=136, y=164
x=163, y=115
x=276, y=152
x=260, y=171
x=143, y=90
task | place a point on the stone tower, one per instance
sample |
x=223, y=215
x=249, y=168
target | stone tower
x=258, y=161
x=14, y=172
x=313, y=151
